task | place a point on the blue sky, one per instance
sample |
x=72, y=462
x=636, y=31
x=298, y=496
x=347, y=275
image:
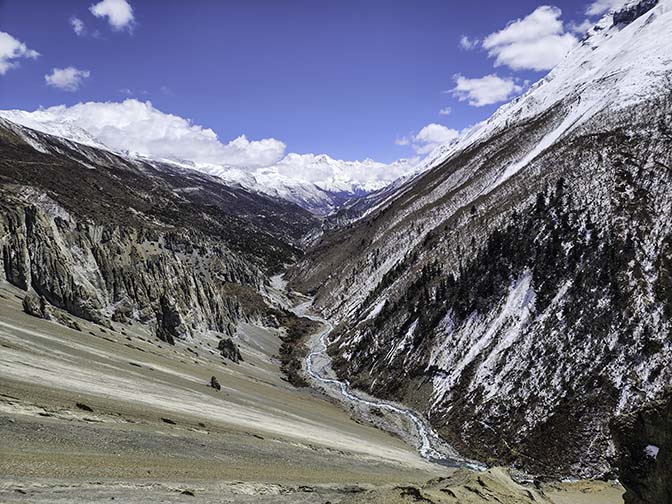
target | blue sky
x=352, y=79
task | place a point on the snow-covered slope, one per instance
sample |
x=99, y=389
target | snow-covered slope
x=527, y=275
x=48, y=123
x=617, y=64
x=292, y=179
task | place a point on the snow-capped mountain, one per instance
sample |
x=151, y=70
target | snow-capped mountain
x=518, y=292
x=317, y=183
x=292, y=179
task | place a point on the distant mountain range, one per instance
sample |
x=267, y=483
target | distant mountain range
x=291, y=178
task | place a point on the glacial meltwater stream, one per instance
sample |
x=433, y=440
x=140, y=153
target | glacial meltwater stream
x=430, y=445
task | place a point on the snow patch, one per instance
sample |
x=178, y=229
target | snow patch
x=652, y=451
x=376, y=309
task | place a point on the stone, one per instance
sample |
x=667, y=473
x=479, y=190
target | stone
x=214, y=383
x=36, y=306
x=229, y=350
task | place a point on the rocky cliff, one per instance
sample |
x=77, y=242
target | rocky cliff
x=110, y=239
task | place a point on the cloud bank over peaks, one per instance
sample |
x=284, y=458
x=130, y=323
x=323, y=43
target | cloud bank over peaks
x=140, y=129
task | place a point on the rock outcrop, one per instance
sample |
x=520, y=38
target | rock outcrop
x=463, y=487
x=632, y=11
x=100, y=274
x=229, y=350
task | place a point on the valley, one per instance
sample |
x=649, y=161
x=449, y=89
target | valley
x=404, y=422
x=489, y=321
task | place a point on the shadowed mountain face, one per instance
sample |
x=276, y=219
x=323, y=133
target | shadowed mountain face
x=108, y=238
x=519, y=292
x=644, y=442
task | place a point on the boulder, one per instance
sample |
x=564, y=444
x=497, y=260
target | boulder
x=214, y=383
x=36, y=306
x=229, y=350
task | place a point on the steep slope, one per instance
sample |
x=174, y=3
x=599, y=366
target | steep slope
x=109, y=238
x=519, y=292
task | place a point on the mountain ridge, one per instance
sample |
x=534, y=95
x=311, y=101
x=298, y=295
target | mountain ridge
x=344, y=180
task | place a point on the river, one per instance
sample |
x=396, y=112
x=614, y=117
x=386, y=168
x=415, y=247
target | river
x=427, y=441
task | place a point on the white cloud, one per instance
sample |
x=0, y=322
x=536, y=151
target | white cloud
x=599, y=7
x=78, y=26
x=138, y=127
x=428, y=138
x=536, y=42
x=484, y=90
x=467, y=43
x=12, y=50
x=67, y=79
x=582, y=27
x=445, y=111
x=433, y=135
x=119, y=13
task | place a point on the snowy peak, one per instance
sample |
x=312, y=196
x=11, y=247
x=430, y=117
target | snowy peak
x=623, y=60
x=616, y=63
